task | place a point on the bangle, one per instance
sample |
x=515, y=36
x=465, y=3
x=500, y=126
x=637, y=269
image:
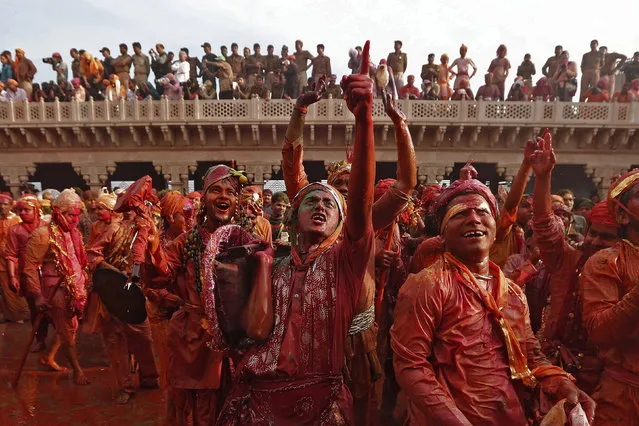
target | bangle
x=301, y=109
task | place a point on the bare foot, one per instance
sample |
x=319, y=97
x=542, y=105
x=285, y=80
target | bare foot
x=37, y=347
x=52, y=364
x=80, y=379
x=123, y=398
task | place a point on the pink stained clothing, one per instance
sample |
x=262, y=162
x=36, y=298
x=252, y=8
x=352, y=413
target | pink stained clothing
x=462, y=65
x=489, y=93
x=450, y=359
x=314, y=307
x=406, y=91
x=498, y=67
x=16, y=248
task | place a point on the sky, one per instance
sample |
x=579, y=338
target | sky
x=423, y=26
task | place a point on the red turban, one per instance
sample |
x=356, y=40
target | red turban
x=173, y=202
x=135, y=195
x=5, y=197
x=193, y=195
x=618, y=188
x=28, y=200
x=382, y=187
x=429, y=195
x=467, y=183
x=600, y=215
x=220, y=172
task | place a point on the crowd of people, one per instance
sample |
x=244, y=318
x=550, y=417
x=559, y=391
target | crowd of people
x=298, y=307
x=231, y=75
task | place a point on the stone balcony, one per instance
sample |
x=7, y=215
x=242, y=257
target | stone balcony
x=175, y=135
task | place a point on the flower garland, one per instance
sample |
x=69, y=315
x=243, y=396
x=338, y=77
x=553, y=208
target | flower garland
x=76, y=300
x=193, y=250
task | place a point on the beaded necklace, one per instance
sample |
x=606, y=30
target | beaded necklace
x=193, y=250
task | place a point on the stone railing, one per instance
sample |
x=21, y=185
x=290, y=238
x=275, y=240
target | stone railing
x=330, y=111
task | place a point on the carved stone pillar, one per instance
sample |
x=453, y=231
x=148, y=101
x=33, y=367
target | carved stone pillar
x=508, y=171
x=432, y=173
x=95, y=175
x=175, y=174
x=15, y=175
x=602, y=176
x=258, y=172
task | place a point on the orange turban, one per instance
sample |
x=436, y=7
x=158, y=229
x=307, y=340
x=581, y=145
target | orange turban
x=600, y=215
x=28, y=200
x=337, y=169
x=173, y=202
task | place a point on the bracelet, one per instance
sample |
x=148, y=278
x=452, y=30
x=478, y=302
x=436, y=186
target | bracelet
x=300, y=109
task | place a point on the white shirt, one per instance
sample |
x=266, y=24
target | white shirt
x=182, y=71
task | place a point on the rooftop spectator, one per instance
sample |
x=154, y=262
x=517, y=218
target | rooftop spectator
x=500, y=67
x=191, y=90
x=277, y=87
x=195, y=66
x=36, y=94
x=430, y=70
x=428, y=93
x=291, y=76
x=114, y=90
x=409, y=91
x=518, y=91
x=542, y=90
x=208, y=68
x=236, y=61
x=107, y=62
x=303, y=60
x=75, y=63
x=224, y=51
x=25, y=71
x=91, y=69
x=550, y=67
x=463, y=92
x=398, y=61
x=565, y=77
x=141, y=64
x=241, y=90
x=625, y=95
x=132, y=91
x=146, y=90
x=599, y=93
x=252, y=67
x=259, y=89
x=611, y=62
x=78, y=91
x=272, y=65
x=7, y=67
x=321, y=65
x=14, y=93
x=489, y=91
x=526, y=70
x=58, y=66
x=171, y=88
x=225, y=74
x=182, y=69
x=355, y=59
x=207, y=92
x=443, y=78
x=258, y=58
x=160, y=63
x=122, y=65
x=463, y=63
x=332, y=88
x=631, y=68
x=590, y=67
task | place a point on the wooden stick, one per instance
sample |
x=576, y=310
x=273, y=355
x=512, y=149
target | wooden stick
x=34, y=331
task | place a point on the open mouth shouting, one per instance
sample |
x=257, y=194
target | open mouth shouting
x=319, y=219
x=223, y=208
x=474, y=235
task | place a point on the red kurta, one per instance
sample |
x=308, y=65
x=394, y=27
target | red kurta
x=295, y=378
x=450, y=359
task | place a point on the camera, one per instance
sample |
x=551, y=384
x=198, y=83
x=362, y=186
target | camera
x=49, y=60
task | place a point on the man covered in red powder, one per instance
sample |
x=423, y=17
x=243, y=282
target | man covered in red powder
x=464, y=350
x=362, y=340
x=295, y=377
x=55, y=270
x=611, y=309
x=17, y=237
x=563, y=337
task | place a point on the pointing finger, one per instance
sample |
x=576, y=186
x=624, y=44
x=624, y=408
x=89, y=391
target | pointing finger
x=366, y=58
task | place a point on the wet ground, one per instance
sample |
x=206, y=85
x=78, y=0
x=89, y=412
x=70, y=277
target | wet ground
x=49, y=398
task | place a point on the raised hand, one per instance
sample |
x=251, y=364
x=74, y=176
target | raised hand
x=543, y=159
x=358, y=88
x=313, y=96
x=391, y=107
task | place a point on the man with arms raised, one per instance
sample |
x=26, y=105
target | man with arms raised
x=464, y=350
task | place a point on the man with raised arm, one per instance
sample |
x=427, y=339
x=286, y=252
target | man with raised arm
x=295, y=376
x=464, y=350
x=362, y=341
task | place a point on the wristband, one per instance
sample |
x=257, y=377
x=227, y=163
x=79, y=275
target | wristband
x=300, y=109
